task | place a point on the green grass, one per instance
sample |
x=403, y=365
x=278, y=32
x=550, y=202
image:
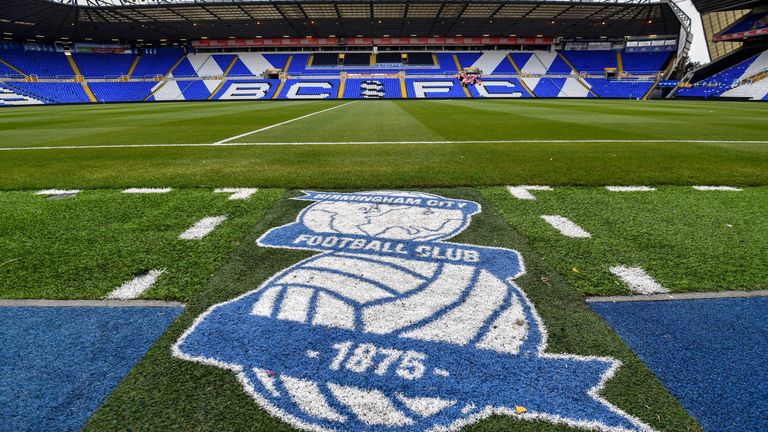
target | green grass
x=165, y=393
x=390, y=166
x=687, y=240
x=84, y=247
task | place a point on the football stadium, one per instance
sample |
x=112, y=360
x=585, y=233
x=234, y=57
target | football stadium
x=383, y=215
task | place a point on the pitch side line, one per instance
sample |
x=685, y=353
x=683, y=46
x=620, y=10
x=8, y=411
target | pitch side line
x=679, y=296
x=297, y=143
x=281, y=123
x=89, y=303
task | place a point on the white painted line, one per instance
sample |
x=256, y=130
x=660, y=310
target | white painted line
x=679, y=296
x=237, y=193
x=58, y=192
x=630, y=188
x=566, y=226
x=638, y=280
x=522, y=192
x=306, y=143
x=717, y=188
x=282, y=123
x=147, y=190
x=202, y=228
x=135, y=287
x=89, y=303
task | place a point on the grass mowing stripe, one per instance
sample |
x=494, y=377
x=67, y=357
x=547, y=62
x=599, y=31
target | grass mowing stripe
x=86, y=246
x=144, y=123
x=313, y=143
x=689, y=241
x=163, y=392
x=282, y=123
x=467, y=157
x=389, y=166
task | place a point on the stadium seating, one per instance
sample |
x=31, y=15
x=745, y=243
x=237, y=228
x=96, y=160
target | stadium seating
x=159, y=63
x=749, y=23
x=52, y=92
x=725, y=83
x=644, y=63
x=310, y=89
x=372, y=88
x=499, y=88
x=623, y=89
x=10, y=96
x=248, y=89
x=121, y=91
x=104, y=65
x=8, y=72
x=592, y=62
x=40, y=63
x=167, y=74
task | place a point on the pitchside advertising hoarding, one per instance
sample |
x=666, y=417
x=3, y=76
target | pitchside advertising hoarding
x=368, y=41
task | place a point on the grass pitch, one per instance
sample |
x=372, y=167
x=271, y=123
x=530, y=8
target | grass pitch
x=568, y=143
x=87, y=245
x=165, y=393
x=84, y=247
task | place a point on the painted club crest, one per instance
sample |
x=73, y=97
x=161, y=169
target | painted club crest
x=391, y=328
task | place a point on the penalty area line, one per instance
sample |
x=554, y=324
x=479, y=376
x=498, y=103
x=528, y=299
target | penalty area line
x=312, y=143
x=226, y=140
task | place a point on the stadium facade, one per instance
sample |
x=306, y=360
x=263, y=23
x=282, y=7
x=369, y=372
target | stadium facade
x=86, y=51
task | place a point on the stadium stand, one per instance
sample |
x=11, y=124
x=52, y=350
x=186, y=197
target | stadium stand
x=129, y=51
x=171, y=75
x=746, y=79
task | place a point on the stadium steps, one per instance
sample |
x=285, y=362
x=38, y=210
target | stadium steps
x=668, y=66
x=279, y=89
x=457, y=62
x=223, y=78
x=133, y=67
x=620, y=62
x=404, y=88
x=14, y=68
x=81, y=79
x=578, y=78
x=520, y=73
x=342, y=85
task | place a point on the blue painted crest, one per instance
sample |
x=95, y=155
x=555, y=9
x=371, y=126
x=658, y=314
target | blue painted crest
x=391, y=328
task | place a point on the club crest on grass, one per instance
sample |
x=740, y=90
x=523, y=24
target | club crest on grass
x=391, y=328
